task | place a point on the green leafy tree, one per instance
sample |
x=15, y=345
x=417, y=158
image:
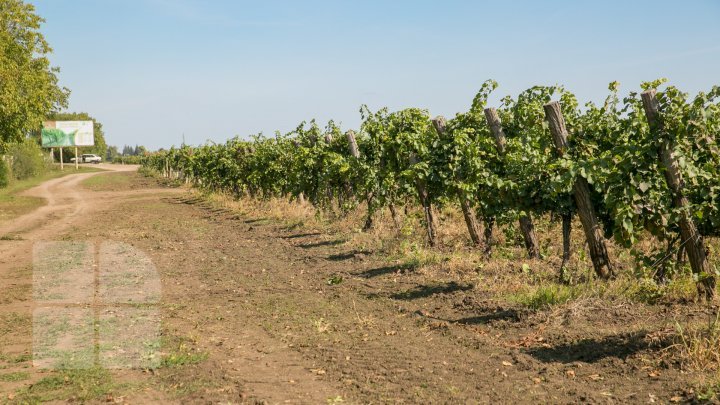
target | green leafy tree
x=29, y=89
x=111, y=153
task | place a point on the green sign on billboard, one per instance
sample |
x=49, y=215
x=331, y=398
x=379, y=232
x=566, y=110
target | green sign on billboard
x=67, y=133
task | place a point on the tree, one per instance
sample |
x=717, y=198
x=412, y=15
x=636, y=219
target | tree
x=111, y=153
x=29, y=89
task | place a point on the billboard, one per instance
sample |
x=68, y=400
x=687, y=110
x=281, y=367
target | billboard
x=67, y=133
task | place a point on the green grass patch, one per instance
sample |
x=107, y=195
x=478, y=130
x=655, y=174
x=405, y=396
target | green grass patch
x=14, y=322
x=546, y=296
x=183, y=359
x=70, y=385
x=14, y=377
x=109, y=181
x=9, y=358
x=180, y=353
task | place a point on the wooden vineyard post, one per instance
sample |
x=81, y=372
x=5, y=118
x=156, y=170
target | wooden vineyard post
x=355, y=153
x=354, y=150
x=470, y=220
x=62, y=166
x=581, y=191
x=692, y=240
x=526, y=223
x=566, y=230
x=425, y=201
x=493, y=120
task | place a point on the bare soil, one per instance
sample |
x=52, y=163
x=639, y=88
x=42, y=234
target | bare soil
x=269, y=313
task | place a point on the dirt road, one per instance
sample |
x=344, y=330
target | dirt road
x=255, y=311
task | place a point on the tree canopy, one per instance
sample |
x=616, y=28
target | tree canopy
x=29, y=89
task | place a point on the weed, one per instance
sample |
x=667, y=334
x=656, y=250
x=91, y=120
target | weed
x=183, y=359
x=70, y=385
x=12, y=377
x=182, y=354
x=699, y=346
x=335, y=280
x=322, y=325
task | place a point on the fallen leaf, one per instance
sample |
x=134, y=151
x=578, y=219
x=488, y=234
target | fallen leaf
x=506, y=363
x=676, y=399
x=570, y=373
x=595, y=377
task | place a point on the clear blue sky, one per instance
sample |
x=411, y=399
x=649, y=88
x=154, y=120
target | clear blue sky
x=151, y=70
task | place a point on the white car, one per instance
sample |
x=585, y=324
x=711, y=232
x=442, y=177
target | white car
x=88, y=158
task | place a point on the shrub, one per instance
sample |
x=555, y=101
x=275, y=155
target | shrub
x=4, y=173
x=27, y=159
x=547, y=296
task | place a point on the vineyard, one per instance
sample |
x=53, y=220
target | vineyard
x=642, y=167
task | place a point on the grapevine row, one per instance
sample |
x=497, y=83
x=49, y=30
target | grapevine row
x=646, y=164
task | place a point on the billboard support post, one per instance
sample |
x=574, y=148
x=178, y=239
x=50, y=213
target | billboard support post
x=77, y=159
x=62, y=167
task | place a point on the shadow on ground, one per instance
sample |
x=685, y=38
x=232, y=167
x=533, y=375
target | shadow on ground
x=620, y=346
x=425, y=291
x=320, y=244
x=381, y=271
x=510, y=315
x=347, y=256
x=302, y=235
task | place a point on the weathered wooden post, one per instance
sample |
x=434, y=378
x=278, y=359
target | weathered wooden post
x=692, y=240
x=566, y=231
x=440, y=125
x=354, y=150
x=526, y=223
x=355, y=153
x=581, y=191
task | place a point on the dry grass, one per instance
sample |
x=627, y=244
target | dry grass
x=507, y=272
x=698, y=345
